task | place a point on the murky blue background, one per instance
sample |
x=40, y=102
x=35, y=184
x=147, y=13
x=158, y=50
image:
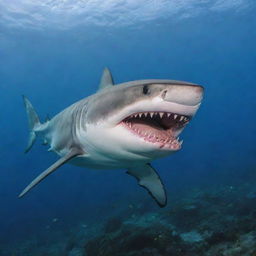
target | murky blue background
x=55, y=68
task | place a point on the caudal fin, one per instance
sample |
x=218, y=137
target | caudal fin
x=33, y=122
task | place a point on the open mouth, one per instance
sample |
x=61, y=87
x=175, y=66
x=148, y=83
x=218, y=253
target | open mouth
x=160, y=128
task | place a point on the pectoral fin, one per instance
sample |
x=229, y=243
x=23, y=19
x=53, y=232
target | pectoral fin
x=149, y=179
x=73, y=153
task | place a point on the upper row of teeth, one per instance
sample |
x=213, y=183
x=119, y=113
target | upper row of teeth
x=161, y=114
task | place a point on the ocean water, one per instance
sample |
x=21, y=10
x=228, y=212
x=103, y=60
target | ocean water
x=54, y=53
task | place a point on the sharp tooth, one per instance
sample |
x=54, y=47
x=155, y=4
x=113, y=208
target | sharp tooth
x=181, y=142
x=140, y=114
x=181, y=118
x=175, y=116
x=146, y=114
x=161, y=114
x=151, y=114
x=135, y=115
x=168, y=114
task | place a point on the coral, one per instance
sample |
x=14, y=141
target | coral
x=214, y=221
x=131, y=239
x=113, y=224
x=76, y=252
x=221, y=236
x=245, y=245
x=192, y=237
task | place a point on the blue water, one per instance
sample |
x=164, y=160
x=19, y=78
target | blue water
x=55, y=67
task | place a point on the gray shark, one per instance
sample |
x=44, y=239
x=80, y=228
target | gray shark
x=121, y=126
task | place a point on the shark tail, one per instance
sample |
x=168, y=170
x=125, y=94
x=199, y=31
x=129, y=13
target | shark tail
x=33, y=121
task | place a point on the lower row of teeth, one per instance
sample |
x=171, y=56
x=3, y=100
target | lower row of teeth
x=153, y=138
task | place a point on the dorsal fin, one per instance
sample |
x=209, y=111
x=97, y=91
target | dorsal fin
x=106, y=79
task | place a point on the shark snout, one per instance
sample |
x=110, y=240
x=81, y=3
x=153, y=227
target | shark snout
x=184, y=94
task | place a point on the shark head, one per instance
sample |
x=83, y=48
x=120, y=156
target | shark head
x=141, y=120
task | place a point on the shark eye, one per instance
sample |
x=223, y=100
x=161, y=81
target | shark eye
x=146, y=90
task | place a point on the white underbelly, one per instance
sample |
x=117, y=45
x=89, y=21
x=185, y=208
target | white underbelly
x=102, y=162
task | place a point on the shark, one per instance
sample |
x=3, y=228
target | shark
x=121, y=126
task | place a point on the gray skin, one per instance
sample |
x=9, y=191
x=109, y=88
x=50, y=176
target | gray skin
x=100, y=106
x=126, y=94
x=74, y=133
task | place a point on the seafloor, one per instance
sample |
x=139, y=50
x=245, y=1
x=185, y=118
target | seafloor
x=214, y=221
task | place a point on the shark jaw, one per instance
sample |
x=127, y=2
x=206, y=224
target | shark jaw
x=152, y=127
x=158, y=128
